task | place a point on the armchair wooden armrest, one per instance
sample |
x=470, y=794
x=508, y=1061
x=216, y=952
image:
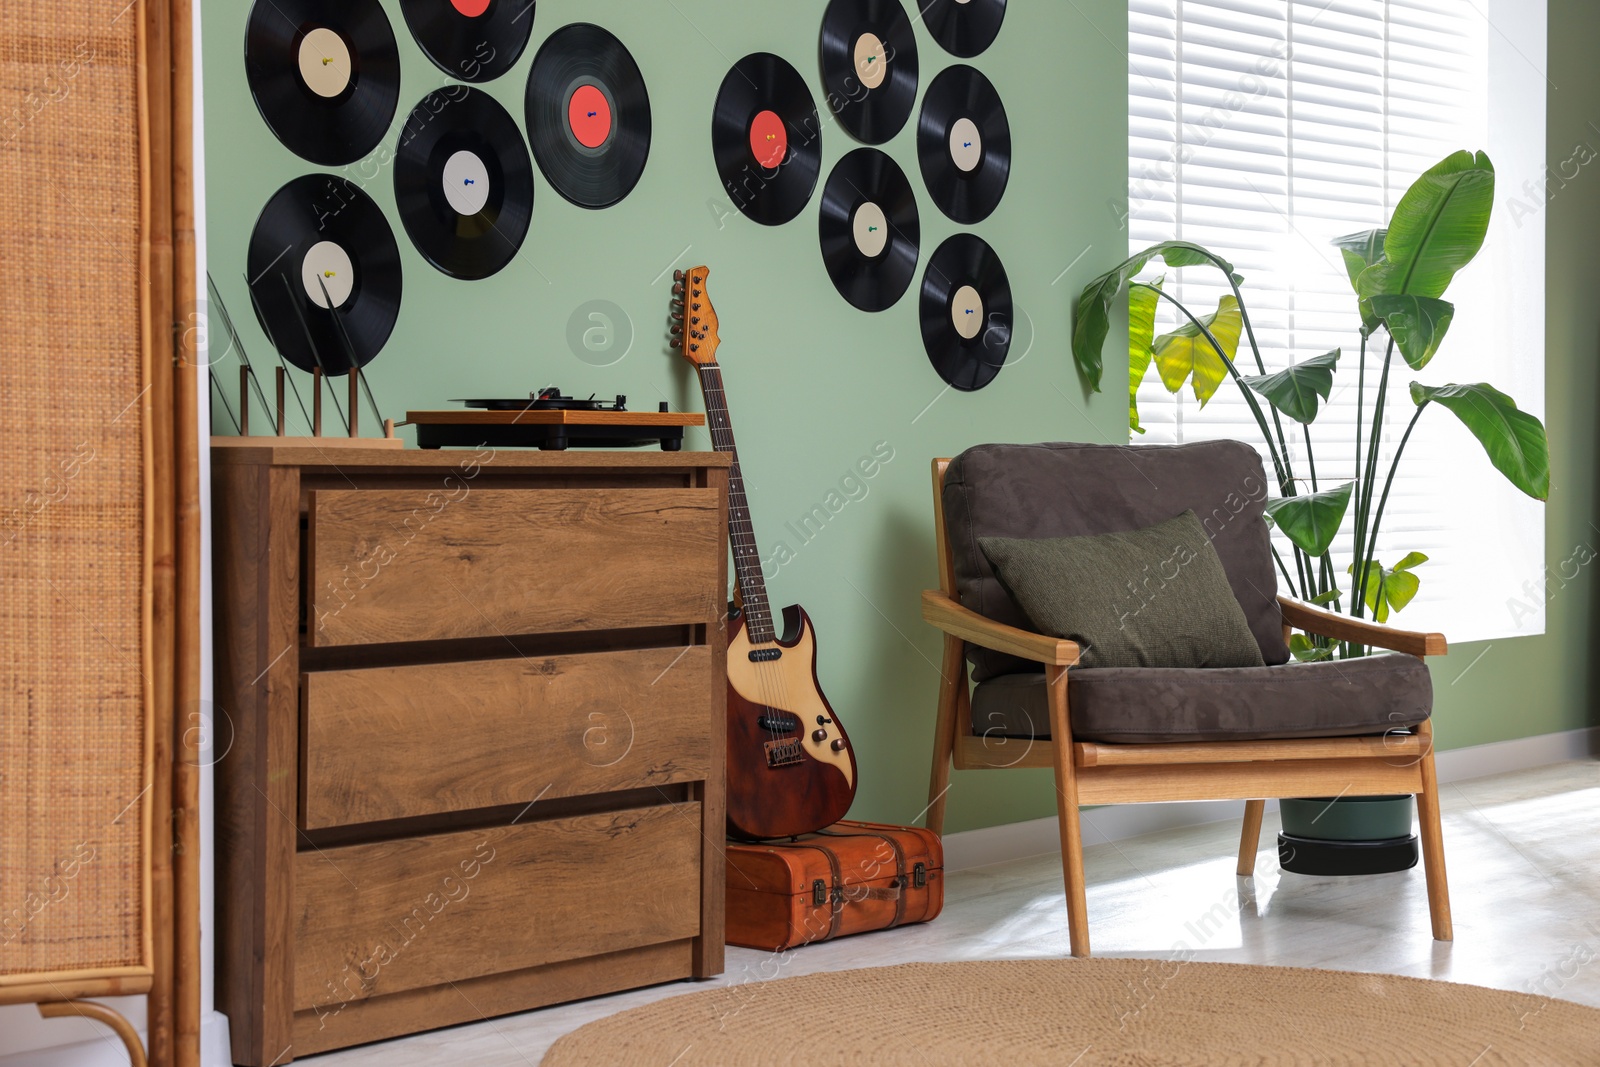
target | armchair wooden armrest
x=1314, y=620
x=940, y=610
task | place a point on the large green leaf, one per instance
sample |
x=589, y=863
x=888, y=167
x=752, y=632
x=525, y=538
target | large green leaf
x=1417, y=324
x=1360, y=251
x=1142, y=301
x=1186, y=353
x=1515, y=440
x=1295, y=391
x=1311, y=521
x=1390, y=589
x=1437, y=228
x=1091, y=320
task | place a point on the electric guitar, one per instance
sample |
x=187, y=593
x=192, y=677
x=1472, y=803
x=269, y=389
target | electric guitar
x=791, y=770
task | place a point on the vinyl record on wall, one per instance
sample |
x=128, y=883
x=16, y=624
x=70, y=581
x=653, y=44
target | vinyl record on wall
x=588, y=115
x=463, y=182
x=869, y=229
x=869, y=66
x=966, y=312
x=471, y=40
x=767, y=139
x=326, y=77
x=964, y=144
x=320, y=239
x=963, y=27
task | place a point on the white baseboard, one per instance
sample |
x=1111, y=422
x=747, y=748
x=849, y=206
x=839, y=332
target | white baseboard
x=108, y=1051
x=1037, y=837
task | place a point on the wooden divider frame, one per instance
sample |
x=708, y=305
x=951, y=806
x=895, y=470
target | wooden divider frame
x=1097, y=773
x=171, y=325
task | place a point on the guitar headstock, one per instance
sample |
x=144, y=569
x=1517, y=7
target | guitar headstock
x=694, y=320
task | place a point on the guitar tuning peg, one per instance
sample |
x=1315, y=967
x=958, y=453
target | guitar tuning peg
x=694, y=348
x=677, y=288
x=677, y=275
x=695, y=319
x=677, y=314
x=676, y=329
x=696, y=307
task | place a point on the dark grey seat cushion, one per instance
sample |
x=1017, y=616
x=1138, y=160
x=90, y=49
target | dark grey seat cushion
x=1136, y=705
x=1076, y=490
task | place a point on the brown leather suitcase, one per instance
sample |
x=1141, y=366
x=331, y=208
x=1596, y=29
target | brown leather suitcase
x=851, y=878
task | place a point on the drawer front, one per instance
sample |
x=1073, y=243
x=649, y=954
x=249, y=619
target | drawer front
x=395, y=742
x=419, y=912
x=408, y=565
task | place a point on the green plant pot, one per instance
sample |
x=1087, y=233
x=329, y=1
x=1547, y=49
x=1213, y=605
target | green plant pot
x=1348, y=818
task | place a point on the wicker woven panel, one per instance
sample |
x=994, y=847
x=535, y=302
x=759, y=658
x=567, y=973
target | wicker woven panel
x=72, y=567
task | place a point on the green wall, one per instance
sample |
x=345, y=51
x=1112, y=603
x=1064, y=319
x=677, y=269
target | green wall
x=816, y=386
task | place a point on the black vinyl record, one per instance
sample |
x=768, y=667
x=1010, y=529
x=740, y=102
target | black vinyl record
x=326, y=77
x=463, y=182
x=321, y=232
x=964, y=27
x=767, y=139
x=869, y=66
x=869, y=229
x=966, y=312
x=964, y=144
x=471, y=40
x=588, y=115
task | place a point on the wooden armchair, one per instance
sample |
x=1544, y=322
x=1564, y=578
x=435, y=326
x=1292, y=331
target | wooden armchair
x=1378, y=760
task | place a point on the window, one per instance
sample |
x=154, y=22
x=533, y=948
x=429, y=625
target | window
x=1262, y=129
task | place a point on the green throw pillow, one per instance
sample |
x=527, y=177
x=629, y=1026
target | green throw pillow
x=1156, y=597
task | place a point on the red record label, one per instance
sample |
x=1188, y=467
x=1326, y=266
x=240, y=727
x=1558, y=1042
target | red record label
x=471, y=8
x=769, y=140
x=589, y=115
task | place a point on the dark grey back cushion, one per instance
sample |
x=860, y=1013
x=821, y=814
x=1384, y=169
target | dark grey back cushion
x=1077, y=490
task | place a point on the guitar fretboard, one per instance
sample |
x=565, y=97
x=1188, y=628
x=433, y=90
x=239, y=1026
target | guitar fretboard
x=741, y=534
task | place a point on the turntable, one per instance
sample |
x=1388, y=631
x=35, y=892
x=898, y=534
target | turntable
x=550, y=421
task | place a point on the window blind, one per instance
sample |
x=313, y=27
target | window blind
x=1263, y=129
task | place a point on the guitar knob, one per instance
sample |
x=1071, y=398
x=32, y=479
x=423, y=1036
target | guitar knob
x=838, y=744
x=819, y=736
x=822, y=720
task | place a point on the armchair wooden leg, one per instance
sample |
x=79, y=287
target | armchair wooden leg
x=1250, y=836
x=953, y=677
x=1431, y=830
x=1067, y=809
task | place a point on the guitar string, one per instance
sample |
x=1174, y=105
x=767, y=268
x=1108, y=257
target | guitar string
x=760, y=626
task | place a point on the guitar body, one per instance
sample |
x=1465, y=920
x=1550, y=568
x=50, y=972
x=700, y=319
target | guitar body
x=783, y=778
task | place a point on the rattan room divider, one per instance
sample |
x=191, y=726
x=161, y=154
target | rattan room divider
x=100, y=718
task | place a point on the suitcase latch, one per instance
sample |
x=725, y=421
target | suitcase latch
x=919, y=876
x=819, y=893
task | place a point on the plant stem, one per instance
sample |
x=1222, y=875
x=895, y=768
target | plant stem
x=1389, y=481
x=1363, y=529
x=1279, y=560
x=1361, y=388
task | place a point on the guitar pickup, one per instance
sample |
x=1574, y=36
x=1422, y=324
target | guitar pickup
x=778, y=724
x=765, y=655
x=784, y=753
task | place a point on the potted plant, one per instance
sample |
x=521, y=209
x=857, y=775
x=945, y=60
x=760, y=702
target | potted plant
x=1399, y=274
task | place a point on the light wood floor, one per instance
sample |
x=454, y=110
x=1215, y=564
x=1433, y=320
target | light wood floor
x=1524, y=858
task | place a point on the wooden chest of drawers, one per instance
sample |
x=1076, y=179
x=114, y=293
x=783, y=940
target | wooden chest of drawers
x=473, y=713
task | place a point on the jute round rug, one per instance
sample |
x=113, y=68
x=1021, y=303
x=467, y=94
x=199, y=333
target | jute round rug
x=1090, y=1013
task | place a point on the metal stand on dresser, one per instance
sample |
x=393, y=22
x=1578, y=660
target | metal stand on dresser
x=477, y=704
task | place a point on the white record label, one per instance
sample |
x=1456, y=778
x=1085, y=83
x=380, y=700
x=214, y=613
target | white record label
x=466, y=183
x=871, y=229
x=328, y=265
x=966, y=145
x=871, y=65
x=325, y=64
x=966, y=312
